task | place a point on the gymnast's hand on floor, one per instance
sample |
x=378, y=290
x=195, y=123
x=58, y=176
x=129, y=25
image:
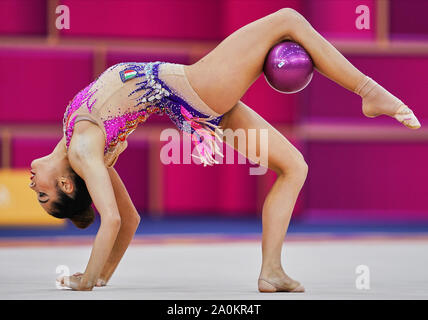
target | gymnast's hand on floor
x=74, y=282
x=100, y=282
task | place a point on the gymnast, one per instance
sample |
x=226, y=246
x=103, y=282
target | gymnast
x=200, y=99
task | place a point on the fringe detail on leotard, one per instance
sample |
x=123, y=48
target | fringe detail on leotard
x=204, y=137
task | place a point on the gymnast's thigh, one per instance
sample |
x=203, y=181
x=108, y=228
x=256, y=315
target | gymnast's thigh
x=223, y=76
x=281, y=154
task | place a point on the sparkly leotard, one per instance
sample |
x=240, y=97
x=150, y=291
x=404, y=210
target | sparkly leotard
x=126, y=94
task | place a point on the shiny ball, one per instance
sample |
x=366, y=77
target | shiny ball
x=288, y=68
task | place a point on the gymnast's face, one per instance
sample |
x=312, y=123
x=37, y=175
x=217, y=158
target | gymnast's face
x=47, y=174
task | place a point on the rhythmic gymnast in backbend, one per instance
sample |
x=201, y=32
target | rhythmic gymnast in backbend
x=205, y=96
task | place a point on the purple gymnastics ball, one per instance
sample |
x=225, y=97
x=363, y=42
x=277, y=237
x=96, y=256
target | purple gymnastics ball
x=288, y=68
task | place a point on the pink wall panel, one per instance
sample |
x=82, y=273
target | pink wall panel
x=326, y=99
x=336, y=18
x=374, y=177
x=409, y=19
x=22, y=17
x=237, y=13
x=27, y=148
x=272, y=105
x=37, y=84
x=132, y=167
x=237, y=194
x=224, y=189
x=144, y=18
x=117, y=56
x=396, y=73
x=220, y=189
x=191, y=189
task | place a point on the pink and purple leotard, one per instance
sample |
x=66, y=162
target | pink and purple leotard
x=126, y=94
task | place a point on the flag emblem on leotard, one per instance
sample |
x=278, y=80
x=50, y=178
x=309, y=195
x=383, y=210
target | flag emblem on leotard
x=126, y=75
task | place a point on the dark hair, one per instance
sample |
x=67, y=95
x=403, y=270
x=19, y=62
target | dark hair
x=77, y=208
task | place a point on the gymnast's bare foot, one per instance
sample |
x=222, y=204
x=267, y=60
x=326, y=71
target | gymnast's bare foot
x=278, y=281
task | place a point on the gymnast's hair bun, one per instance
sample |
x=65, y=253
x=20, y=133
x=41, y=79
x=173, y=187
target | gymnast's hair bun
x=84, y=219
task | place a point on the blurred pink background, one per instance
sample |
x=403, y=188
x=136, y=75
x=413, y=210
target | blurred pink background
x=359, y=169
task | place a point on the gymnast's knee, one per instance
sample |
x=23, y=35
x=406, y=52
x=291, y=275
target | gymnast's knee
x=295, y=168
x=290, y=14
x=290, y=19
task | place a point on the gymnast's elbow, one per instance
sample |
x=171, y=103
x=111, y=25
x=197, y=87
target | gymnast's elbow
x=113, y=222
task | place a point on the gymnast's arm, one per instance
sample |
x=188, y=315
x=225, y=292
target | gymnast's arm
x=130, y=221
x=85, y=155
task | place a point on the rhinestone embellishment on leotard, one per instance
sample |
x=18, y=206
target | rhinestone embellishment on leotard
x=151, y=96
x=83, y=97
x=151, y=101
